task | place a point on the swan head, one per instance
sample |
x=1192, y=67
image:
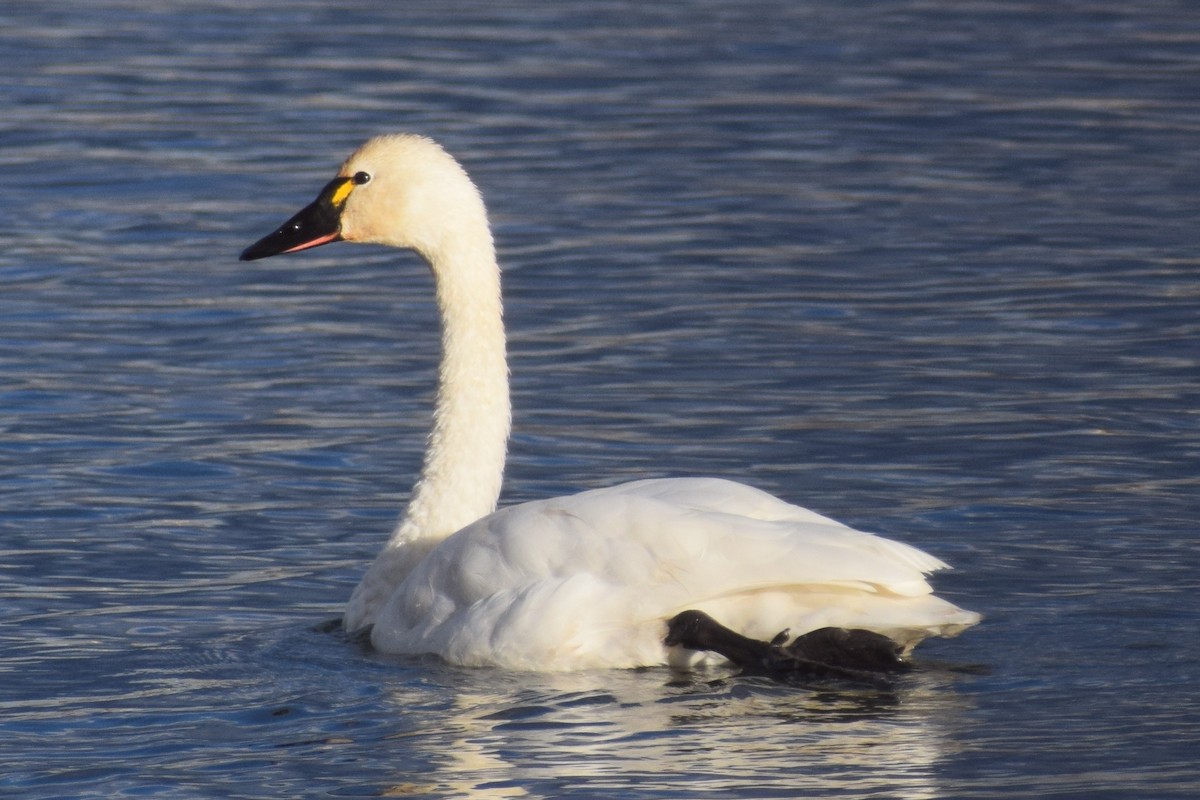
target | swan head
x=399, y=190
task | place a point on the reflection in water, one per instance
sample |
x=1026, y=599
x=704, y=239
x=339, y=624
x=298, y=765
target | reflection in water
x=596, y=734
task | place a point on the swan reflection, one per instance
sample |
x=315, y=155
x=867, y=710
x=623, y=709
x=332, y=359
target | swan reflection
x=592, y=734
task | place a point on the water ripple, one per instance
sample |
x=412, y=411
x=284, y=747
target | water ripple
x=929, y=269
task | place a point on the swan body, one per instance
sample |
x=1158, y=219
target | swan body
x=588, y=580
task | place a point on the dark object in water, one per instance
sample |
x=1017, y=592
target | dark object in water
x=825, y=652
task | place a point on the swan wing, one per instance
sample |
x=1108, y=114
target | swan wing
x=589, y=579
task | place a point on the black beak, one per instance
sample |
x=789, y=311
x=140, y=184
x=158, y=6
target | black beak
x=316, y=224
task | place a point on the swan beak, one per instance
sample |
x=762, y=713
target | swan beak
x=316, y=224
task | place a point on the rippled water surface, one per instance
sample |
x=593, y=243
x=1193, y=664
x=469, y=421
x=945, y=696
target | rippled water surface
x=927, y=267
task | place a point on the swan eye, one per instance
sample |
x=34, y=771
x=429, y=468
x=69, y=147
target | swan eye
x=362, y=177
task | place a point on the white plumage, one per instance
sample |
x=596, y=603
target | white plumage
x=587, y=580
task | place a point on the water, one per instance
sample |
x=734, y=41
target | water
x=929, y=268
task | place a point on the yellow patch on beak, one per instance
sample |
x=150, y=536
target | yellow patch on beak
x=343, y=190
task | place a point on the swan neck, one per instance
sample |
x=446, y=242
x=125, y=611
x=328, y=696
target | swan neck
x=464, y=458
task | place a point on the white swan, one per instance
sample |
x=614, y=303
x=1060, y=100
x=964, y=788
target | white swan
x=587, y=580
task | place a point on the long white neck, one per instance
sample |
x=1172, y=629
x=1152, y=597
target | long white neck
x=464, y=459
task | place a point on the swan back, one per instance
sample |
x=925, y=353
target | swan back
x=589, y=580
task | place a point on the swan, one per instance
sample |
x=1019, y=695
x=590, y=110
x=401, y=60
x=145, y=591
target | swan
x=588, y=580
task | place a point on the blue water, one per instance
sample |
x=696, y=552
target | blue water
x=927, y=267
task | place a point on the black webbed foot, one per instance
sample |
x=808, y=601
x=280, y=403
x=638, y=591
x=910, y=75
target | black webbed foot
x=826, y=652
x=696, y=630
x=852, y=648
